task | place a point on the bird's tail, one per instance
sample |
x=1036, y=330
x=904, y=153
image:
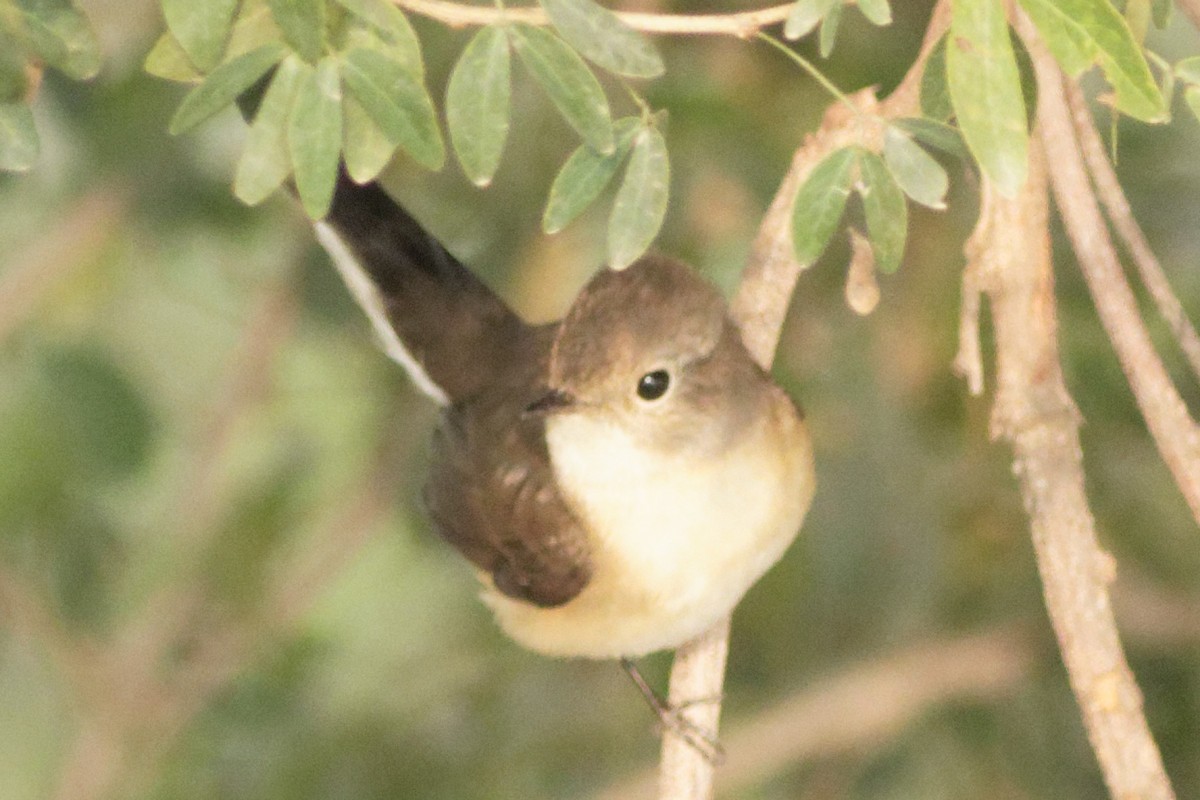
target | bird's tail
x=431, y=313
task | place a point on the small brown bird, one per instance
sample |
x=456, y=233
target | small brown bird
x=620, y=478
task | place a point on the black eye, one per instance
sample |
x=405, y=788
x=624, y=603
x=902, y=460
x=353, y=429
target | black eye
x=653, y=385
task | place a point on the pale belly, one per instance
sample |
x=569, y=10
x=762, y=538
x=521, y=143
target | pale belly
x=676, y=542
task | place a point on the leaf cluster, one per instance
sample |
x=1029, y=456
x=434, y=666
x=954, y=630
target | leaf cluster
x=35, y=34
x=345, y=81
x=977, y=100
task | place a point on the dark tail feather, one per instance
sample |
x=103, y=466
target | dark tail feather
x=435, y=317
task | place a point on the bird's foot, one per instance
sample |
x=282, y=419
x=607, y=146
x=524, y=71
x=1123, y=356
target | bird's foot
x=673, y=721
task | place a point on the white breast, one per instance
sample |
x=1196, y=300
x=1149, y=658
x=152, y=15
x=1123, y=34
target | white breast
x=676, y=540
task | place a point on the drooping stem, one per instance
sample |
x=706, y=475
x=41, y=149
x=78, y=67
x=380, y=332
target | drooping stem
x=1113, y=197
x=1009, y=261
x=1175, y=433
x=742, y=24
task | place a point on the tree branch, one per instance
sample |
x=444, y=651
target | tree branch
x=1113, y=197
x=759, y=308
x=742, y=24
x=864, y=705
x=1009, y=259
x=1174, y=432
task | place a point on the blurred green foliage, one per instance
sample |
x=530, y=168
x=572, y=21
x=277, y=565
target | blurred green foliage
x=190, y=407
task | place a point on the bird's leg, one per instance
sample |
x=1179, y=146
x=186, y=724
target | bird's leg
x=673, y=719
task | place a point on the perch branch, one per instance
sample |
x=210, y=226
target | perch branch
x=1174, y=431
x=759, y=308
x=1009, y=259
x=1113, y=196
x=742, y=24
x=864, y=705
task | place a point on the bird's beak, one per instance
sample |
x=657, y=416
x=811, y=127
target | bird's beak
x=551, y=402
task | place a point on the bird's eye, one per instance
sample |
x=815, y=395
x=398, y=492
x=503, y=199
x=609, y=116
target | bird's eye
x=653, y=385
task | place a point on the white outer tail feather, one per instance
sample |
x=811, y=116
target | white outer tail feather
x=366, y=294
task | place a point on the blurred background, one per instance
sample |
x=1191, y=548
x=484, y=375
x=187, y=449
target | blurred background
x=216, y=578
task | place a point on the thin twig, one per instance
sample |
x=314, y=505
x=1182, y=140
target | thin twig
x=968, y=361
x=742, y=24
x=1009, y=254
x=1113, y=196
x=863, y=705
x=1174, y=431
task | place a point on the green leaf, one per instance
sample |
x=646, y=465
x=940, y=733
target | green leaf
x=935, y=93
x=934, y=134
x=366, y=148
x=303, y=25
x=878, y=12
x=641, y=202
x=1083, y=32
x=393, y=28
x=314, y=136
x=223, y=85
x=1070, y=45
x=167, y=60
x=1028, y=77
x=477, y=104
x=829, y=28
x=985, y=88
x=1189, y=70
x=62, y=36
x=600, y=36
x=18, y=138
x=571, y=86
x=398, y=103
x=13, y=82
x=584, y=176
x=1192, y=96
x=919, y=175
x=265, y=164
x=1137, y=17
x=1160, y=11
x=201, y=27
x=804, y=16
x=819, y=204
x=885, y=211
x=254, y=28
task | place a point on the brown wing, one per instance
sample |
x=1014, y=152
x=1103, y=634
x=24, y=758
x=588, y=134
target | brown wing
x=492, y=494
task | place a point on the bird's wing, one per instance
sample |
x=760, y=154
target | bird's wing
x=491, y=491
x=492, y=494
